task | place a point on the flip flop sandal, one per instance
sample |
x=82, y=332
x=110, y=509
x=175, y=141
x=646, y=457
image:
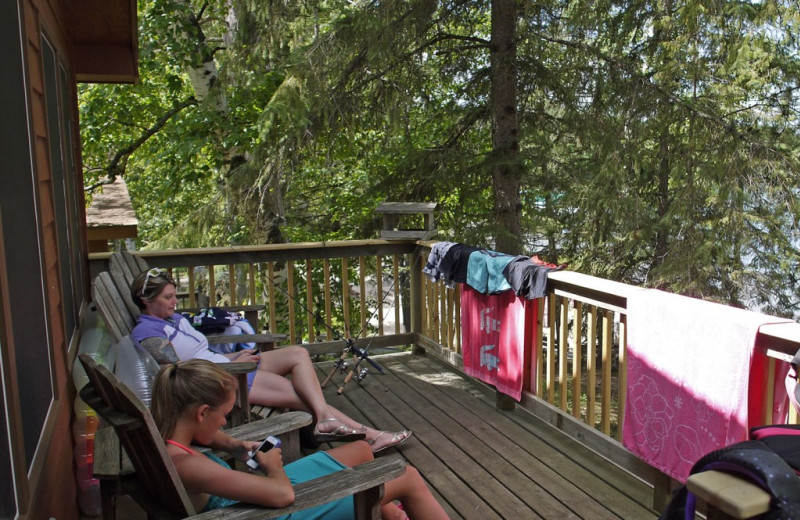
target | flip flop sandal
x=339, y=434
x=398, y=438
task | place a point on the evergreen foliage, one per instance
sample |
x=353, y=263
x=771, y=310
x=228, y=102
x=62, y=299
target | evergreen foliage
x=658, y=138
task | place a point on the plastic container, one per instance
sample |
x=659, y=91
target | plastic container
x=84, y=447
x=85, y=423
x=84, y=467
x=95, y=343
x=89, y=497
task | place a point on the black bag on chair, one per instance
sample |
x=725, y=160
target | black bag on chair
x=770, y=460
x=757, y=462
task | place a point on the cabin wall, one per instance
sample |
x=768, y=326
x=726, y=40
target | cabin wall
x=45, y=282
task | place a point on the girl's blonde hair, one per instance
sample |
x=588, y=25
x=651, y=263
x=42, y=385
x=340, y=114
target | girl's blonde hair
x=180, y=387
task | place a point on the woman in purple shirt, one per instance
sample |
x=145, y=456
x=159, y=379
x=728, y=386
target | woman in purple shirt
x=169, y=337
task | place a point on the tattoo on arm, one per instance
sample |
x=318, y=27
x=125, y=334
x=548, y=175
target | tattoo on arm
x=161, y=350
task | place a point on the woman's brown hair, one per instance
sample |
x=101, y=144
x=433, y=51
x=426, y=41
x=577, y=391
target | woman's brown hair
x=149, y=284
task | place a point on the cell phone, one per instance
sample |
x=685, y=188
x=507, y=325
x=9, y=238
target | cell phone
x=269, y=443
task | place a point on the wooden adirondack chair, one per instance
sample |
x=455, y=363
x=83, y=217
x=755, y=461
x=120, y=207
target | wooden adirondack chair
x=129, y=266
x=111, y=295
x=158, y=489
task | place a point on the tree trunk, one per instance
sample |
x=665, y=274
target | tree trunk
x=506, y=167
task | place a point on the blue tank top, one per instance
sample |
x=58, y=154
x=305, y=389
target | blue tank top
x=307, y=468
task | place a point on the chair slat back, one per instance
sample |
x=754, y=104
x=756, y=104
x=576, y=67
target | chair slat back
x=137, y=431
x=112, y=296
x=127, y=264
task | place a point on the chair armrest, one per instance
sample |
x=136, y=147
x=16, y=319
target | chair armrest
x=363, y=478
x=245, y=338
x=236, y=368
x=277, y=425
x=265, y=341
x=232, y=308
x=730, y=494
x=285, y=426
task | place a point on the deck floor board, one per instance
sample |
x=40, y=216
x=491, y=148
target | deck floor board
x=483, y=463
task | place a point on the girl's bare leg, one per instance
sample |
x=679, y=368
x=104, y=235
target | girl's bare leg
x=358, y=452
x=418, y=501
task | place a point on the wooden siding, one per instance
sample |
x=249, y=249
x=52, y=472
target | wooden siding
x=49, y=497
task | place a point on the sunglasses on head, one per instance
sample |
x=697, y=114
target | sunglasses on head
x=154, y=273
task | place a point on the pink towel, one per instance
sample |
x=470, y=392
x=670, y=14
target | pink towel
x=688, y=371
x=494, y=337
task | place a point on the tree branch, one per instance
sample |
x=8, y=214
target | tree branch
x=478, y=43
x=117, y=164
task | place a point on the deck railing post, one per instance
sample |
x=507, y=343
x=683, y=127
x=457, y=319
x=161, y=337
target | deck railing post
x=416, y=295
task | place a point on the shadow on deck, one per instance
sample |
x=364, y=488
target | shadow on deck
x=482, y=463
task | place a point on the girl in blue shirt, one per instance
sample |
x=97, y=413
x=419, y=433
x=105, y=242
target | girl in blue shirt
x=190, y=402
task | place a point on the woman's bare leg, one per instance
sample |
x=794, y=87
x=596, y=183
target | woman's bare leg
x=296, y=362
x=302, y=392
x=274, y=390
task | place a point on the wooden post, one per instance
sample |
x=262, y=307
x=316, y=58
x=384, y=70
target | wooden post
x=504, y=402
x=415, y=281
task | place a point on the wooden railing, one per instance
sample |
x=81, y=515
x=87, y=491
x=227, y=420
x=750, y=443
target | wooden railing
x=581, y=365
x=578, y=376
x=317, y=292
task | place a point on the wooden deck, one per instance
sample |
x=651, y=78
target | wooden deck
x=482, y=463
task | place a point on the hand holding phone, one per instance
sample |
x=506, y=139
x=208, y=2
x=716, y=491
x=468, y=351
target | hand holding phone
x=269, y=443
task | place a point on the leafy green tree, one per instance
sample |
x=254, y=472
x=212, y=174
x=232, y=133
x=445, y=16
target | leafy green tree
x=647, y=141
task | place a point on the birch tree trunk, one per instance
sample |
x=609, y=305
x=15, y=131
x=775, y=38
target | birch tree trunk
x=260, y=206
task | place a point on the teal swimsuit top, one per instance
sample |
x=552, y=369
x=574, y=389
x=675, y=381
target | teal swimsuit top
x=214, y=502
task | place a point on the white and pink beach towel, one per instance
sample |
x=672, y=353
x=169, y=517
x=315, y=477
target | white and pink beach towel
x=689, y=364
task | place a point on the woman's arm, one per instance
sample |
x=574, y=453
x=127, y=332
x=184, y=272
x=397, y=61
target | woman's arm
x=161, y=350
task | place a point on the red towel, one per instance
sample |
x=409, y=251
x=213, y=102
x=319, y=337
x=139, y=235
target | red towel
x=493, y=332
